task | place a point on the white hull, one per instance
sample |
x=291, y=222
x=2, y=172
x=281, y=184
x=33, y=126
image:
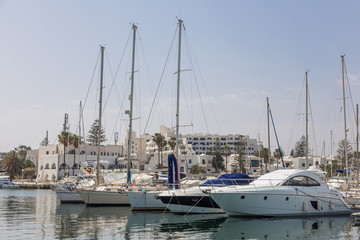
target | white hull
x=67, y=196
x=274, y=203
x=145, y=200
x=103, y=198
x=190, y=200
x=190, y=209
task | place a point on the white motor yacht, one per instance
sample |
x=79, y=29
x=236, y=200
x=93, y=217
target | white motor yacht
x=287, y=192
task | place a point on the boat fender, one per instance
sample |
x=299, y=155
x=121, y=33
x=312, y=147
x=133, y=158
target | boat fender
x=305, y=206
x=331, y=205
x=318, y=205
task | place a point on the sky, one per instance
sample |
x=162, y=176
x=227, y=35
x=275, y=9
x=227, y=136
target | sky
x=235, y=54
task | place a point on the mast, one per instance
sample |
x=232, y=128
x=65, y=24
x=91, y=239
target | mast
x=331, y=156
x=131, y=108
x=307, y=123
x=268, y=122
x=100, y=112
x=357, y=144
x=178, y=90
x=345, y=130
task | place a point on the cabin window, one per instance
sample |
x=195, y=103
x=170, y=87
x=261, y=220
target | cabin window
x=301, y=181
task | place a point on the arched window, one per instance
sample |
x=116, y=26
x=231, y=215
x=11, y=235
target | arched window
x=53, y=166
x=47, y=166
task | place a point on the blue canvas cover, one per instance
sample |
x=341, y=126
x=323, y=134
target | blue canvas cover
x=229, y=179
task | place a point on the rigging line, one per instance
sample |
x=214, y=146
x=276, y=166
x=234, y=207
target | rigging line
x=262, y=118
x=349, y=89
x=202, y=80
x=312, y=124
x=196, y=83
x=121, y=113
x=88, y=91
x=147, y=69
x=161, y=78
x=296, y=114
x=117, y=70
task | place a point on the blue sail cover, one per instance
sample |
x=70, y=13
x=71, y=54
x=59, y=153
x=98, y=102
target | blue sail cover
x=173, y=172
x=229, y=179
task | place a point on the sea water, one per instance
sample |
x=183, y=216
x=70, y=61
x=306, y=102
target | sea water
x=38, y=214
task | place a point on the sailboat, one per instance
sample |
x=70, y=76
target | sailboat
x=147, y=199
x=108, y=195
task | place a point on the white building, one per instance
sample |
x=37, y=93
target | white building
x=202, y=143
x=51, y=164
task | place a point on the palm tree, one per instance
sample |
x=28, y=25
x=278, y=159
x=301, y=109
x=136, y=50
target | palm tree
x=64, y=138
x=159, y=141
x=75, y=141
x=226, y=150
x=12, y=164
x=172, y=143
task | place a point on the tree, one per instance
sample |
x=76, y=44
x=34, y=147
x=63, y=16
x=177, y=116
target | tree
x=160, y=142
x=300, y=148
x=93, y=134
x=64, y=138
x=217, y=161
x=341, y=152
x=172, y=143
x=29, y=172
x=75, y=141
x=196, y=169
x=277, y=154
x=239, y=165
x=12, y=164
x=226, y=151
x=44, y=142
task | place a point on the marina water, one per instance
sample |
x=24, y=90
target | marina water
x=37, y=214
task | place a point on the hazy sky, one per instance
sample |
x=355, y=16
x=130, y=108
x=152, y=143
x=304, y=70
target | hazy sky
x=236, y=54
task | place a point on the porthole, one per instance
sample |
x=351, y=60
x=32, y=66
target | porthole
x=265, y=197
x=287, y=198
x=242, y=197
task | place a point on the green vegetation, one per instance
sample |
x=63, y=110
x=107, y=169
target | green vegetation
x=160, y=142
x=196, y=169
x=239, y=165
x=93, y=134
x=14, y=162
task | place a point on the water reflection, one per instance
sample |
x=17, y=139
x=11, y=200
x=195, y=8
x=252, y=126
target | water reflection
x=37, y=214
x=297, y=228
x=159, y=225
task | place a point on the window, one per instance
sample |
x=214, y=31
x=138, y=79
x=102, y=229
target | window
x=190, y=161
x=301, y=181
x=203, y=161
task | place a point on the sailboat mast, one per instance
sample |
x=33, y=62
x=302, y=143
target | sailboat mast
x=268, y=122
x=100, y=112
x=178, y=90
x=357, y=143
x=131, y=108
x=345, y=130
x=307, y=123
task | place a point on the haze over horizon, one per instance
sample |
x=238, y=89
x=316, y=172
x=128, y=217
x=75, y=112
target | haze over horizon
x=235, y=54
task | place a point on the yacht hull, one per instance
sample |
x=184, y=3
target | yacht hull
x=67, y=196
x=145, y=201
x=268, y=204
x=104, y=198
